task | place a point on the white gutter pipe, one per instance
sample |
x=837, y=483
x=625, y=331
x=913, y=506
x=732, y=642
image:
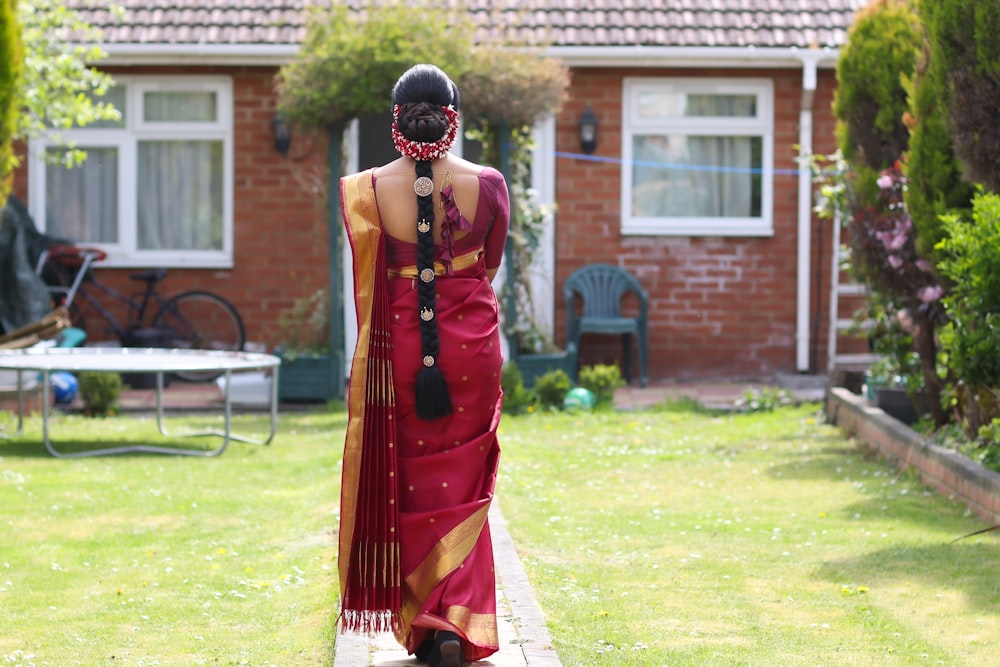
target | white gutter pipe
x=573, y=56
x=689, y=56
x=804, y=246
x=264, y=55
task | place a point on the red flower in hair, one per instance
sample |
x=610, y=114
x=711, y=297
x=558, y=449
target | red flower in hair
x=425, y=151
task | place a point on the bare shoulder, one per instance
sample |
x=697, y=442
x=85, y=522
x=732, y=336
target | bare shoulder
x=394, y=168
x=457, y=165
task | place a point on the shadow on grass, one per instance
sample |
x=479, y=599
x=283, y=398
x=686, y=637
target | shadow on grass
x=685, y=405
x=812, y=464
x=970, y=567
x=29, y=447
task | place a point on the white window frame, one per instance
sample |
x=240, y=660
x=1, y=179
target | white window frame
x=762, y=125
x=125, y=139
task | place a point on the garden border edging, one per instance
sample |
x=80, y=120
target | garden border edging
x=950, y=473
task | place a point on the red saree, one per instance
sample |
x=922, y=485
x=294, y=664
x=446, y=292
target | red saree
x=415, y=550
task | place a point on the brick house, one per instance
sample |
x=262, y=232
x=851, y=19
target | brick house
x=707, y=101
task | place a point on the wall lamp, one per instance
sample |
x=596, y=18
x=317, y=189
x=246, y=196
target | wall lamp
x=282, y=133
x=588, y=131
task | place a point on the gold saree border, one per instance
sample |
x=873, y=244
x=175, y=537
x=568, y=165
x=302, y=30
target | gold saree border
x=449, y=553
x=463, y=261
x=361, y=221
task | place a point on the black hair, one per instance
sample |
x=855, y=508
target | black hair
x=421, y=93
x=426, y=83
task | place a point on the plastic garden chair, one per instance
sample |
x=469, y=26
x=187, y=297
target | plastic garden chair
x=601, y=288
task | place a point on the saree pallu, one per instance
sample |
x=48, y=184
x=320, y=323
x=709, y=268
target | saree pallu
x=446, y=468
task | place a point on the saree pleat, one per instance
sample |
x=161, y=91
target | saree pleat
x=443, y=471
x=369, y=546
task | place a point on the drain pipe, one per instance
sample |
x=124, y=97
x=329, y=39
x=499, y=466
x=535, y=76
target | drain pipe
x=809, y=59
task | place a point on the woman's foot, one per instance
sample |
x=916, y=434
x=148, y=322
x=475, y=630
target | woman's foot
x=425, y=649
x=447, y=650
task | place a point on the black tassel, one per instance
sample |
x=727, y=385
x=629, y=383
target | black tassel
x=433, y=399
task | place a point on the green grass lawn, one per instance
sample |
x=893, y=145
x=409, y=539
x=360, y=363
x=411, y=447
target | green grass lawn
x=675, y=538
x=158, y=560
x=667, y=537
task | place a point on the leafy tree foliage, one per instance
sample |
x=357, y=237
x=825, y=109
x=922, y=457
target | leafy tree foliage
x=61, y=89
x=870, y=99
x=965, y=55
x=10, y=79
x=351, y=58
x=936, y=185
x=512, y=85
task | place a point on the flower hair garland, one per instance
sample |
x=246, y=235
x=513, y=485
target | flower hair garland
x=426, y=151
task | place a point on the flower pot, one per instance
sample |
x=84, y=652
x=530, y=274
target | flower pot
x=533, y=366
x=308, y=377
x=897, y=403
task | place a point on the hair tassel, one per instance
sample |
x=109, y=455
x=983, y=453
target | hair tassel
x=433, y=399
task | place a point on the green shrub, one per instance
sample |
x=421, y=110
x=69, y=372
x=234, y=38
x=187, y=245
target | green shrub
x=970, y=258
x=601, y=380
x=99, y=392
x=987, y=451
x=552, y=388
x=766, y=399
x=516, y=398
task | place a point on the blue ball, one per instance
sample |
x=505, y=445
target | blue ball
x=64, y=387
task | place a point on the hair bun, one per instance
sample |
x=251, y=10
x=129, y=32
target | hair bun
x=425, y=122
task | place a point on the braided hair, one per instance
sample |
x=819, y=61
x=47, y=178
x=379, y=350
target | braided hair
x=421, y=94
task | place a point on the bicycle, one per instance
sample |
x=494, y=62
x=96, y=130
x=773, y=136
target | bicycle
x=196, y=319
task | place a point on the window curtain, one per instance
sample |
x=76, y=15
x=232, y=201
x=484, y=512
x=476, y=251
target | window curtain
x=678, y=175
x=81, y=204
x=179, y=183
x=180, y=195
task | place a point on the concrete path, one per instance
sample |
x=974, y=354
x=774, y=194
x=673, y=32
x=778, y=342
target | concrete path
x=524, y=638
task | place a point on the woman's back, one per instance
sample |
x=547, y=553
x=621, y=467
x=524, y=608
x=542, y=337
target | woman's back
x=471, y=209
x=398, y=207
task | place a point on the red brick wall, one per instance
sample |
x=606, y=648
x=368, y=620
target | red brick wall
x=280, y=229
x=719, y=306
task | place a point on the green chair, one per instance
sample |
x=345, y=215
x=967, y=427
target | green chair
x=601, y=288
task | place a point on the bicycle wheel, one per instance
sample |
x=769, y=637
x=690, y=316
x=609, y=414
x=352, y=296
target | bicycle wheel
x=200, y=320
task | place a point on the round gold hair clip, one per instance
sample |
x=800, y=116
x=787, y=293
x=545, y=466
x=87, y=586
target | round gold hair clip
x=423, y=186
x=428, y=361
x=427, y=275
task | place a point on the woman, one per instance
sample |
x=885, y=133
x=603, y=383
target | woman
x=427, y=232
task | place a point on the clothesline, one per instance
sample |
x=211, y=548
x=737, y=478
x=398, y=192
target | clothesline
x=678, y=166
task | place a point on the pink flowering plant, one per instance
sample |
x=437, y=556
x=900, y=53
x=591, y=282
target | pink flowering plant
x=906, y=292
x=884, y=248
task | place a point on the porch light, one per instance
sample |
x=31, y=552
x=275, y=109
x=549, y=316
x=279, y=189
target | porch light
x=588, y=131
x=282, y=133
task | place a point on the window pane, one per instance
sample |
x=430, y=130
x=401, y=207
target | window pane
x=680, y=176
x=179, y=106
x=81, y=204
x=675, y=104
x=116, y=98
x=180, y=190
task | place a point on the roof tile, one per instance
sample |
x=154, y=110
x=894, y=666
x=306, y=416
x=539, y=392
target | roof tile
x=689, y=23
